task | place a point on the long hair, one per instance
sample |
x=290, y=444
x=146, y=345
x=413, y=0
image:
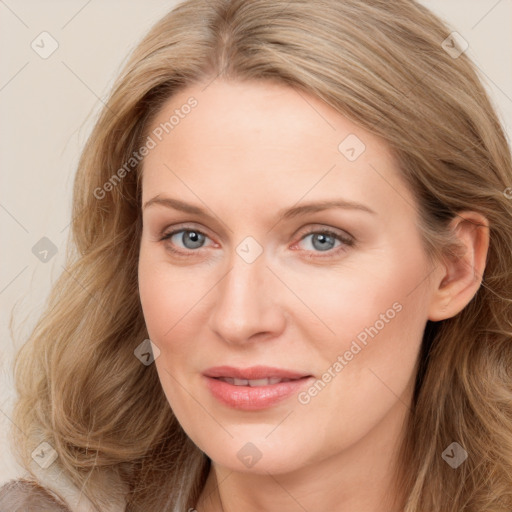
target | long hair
x=387, y=67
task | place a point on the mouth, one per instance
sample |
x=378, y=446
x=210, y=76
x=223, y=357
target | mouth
x=254, y=373
x=254, y=388
x=254, y=382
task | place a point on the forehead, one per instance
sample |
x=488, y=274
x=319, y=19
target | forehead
x=266, y=141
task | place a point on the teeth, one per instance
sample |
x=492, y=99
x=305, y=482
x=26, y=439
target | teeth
x=275, y=380
x=259, y=382
x=254, y=382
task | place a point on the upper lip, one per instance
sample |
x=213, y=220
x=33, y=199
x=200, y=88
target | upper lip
x=253, y=373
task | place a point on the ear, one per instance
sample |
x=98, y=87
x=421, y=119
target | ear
x=461, y=277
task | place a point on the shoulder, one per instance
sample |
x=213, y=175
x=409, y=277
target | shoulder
x=22, y=495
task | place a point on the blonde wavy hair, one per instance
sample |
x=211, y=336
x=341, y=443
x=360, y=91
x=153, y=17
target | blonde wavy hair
x=379, y=63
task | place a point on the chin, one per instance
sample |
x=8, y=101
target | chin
x=258, y=455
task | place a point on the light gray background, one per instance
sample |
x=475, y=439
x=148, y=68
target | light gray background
x=48, y=106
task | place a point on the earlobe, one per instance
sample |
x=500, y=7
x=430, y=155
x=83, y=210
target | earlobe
x=461, y=275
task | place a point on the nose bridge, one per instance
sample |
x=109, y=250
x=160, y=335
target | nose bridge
x=245, y=301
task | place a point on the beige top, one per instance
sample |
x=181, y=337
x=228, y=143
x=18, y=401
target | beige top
x=52, y=491
x=21, y=495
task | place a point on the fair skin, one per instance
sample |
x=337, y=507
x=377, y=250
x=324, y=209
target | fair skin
x=245, y=152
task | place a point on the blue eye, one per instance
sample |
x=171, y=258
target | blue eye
x=324, y=241
x=190, y=238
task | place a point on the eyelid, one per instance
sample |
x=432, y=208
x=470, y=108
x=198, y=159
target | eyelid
x=320, y=228
x=182, y=226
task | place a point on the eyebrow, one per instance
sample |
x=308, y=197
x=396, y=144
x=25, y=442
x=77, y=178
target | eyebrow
x=285, y=214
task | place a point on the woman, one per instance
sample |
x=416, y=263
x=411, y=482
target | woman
x=309, y=218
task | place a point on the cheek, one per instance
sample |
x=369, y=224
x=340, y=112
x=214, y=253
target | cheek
x=159, y=295
x=172, y=298
x=379, y=321
x=153, y=299
x=376, y=315
x=378, y=300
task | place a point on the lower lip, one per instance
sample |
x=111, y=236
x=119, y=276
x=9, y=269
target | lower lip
x=253, y=398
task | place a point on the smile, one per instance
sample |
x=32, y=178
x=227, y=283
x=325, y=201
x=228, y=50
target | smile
x=254, y=382
x=254, y=388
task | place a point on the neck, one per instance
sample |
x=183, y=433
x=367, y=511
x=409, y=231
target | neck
x=360, y=478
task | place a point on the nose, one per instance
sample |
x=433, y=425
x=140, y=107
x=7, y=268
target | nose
x=247, y=305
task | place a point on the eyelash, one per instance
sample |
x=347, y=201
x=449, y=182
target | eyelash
x=346, y=241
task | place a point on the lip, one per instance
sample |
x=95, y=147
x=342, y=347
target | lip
x=253, y=373
x=253, y=398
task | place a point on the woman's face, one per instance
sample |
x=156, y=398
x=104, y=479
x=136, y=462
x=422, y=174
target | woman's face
x=243, y=276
